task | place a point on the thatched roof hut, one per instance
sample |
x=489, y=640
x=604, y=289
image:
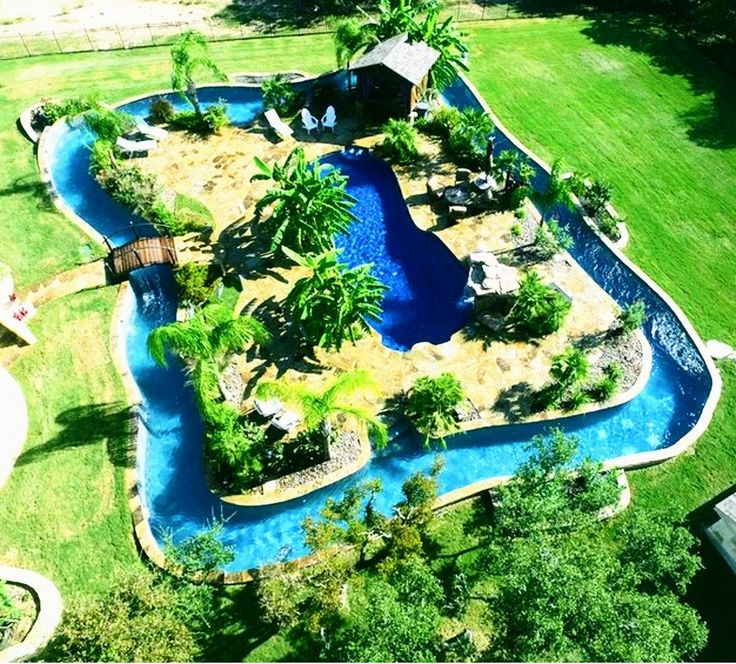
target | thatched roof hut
x=393, y=74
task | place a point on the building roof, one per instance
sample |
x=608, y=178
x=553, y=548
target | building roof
x=410, y=60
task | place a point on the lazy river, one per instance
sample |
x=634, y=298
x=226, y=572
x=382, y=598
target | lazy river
x=677, y=398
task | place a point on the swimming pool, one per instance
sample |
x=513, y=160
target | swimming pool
x=678, y=393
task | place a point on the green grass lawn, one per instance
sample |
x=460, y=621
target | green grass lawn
x=653, y=120
x=40, y=242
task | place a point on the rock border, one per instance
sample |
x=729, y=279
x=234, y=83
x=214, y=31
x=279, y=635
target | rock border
x=50, y=608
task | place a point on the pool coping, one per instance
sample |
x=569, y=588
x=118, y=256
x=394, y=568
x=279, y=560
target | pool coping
x=142, y=528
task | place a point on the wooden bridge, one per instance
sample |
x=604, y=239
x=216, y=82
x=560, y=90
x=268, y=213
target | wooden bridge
x=141, y=252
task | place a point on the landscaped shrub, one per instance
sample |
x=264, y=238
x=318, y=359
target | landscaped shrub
x=633, y=317
x=9, y=614
x=161, y=111
x=441, y=121
x=608, y=225
x=131, y=186
x=568, y=373
x=101, y=157
x=431, y=404
x=468, y=139
x=215, y=117
x=192, y=283
x=279, y=94
x=400, y=142
x=52, y=111
x=550, y=239
x=608, y=385
x=515, y=171
x=538, y=309
x=109, y=125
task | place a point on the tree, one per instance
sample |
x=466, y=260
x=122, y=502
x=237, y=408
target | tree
x=334, y=303
x=349, y=38
x=556, y=191
x=189, y=56
x=208, y=339
x=310, y=203
x=563, y=599
x=549, y=492
x=431, y=404
x=322, y=408
x=538, y=309
x=200, y=553
x=143, y=618
x=279, y=94
x=396, y=619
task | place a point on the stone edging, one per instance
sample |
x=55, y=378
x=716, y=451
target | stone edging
x=637, y=459
x=271, y=495
x=50, y=607
x=17, y=409
x=25, y=122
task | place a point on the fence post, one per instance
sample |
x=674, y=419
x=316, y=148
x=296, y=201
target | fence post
x=150, y=32
x=458, y=10
x=507, y=10
x=89, y=39
x=28, y=50
x=483, y=12
x=58, y=45
x=120, y=34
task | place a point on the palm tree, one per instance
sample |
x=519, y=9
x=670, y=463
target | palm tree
x=334, y=304
x=350, y=36
x=538, y=309
x=431, y=404
x=190, y=54
x=310, y=202
x=208, y=340
x=557, y=191
x=321, y=408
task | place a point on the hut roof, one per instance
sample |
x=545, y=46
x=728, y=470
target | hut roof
x=410, y=60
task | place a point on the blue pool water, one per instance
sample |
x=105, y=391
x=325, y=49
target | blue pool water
x=170, y=454
x=426, y=297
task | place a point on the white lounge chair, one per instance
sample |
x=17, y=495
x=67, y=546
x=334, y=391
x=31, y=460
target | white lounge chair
x=136, y=147
x=286, y=420
x=152, y=132
x=277, y=124
x=329, y=119
x=268, y=407
x=309, y=121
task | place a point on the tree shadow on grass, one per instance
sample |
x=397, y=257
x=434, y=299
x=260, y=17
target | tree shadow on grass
x=113, y=424
x=267, y=16
x=29, y=184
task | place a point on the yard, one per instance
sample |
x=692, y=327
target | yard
x=650, y=116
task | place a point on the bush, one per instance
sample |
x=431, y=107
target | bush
x=400, y=142
x=53, y=111
x=597, y=194
x=131, y=187
x=608, y=225
x=109, y=125
x=9, y=614
x=550, y=239
x=279, y=94
x=468, y=139
x=431, y=405
x=102, y=157
x=441, y=122
x=633, y=317
x=161, y=111
x=215, y=117
x=192, y=283
x=201, y=552
x=538, y=309
x=517, y=230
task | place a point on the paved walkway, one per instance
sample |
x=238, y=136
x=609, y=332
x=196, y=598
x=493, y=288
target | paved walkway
x=13, y=423
x=50, y=607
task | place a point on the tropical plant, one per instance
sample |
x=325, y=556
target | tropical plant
x=310, y=203
x=431, y=404
x=208, y=339
x=400, y=142
x=215, y=117
x=349, y=37
x=52, y=111
x=109, y=124
x=190, y=56
x=334, y=303
x=633, y=317
x=467, y=139
x=568, y=372
x=538, y=309
x=279, y=94
x=516, y=171
x=321, y=408
x=192, y=283
x=550, y=239
x=608, y=385
x=557, y=191
x=444, y=37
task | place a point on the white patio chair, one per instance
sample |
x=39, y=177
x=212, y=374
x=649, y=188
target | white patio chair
x=309, y=121
x=286, y=420
x=329, y=119
x=152, y=132
x=282, y=129
x=268, y=407
x=135, y=147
